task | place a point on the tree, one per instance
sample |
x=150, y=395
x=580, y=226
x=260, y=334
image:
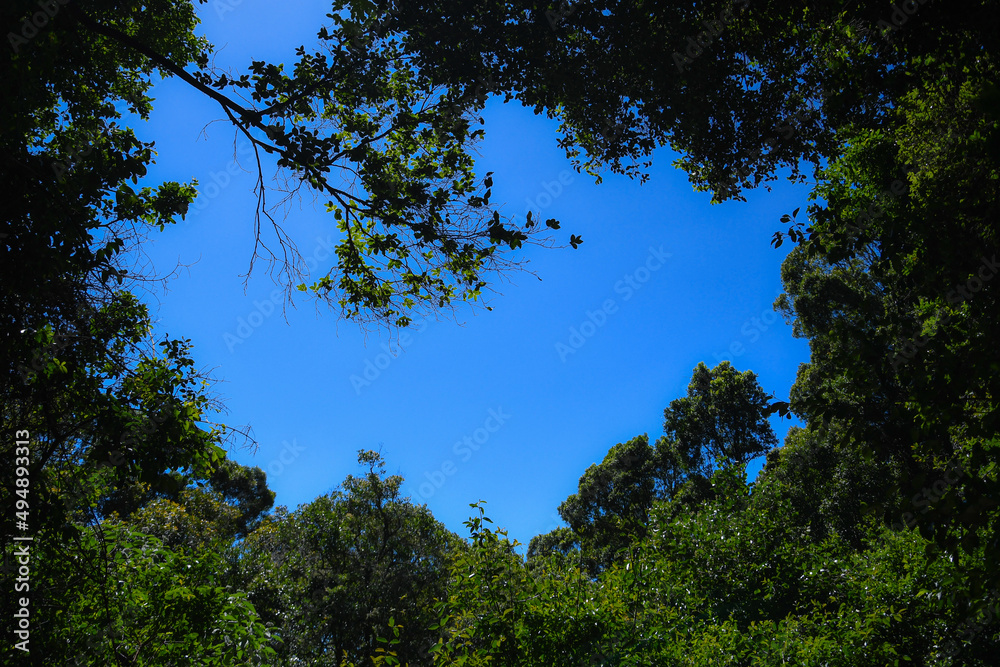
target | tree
x=560, y=542
x=113, y=420
x=418, y=226
x=722, y=421
x=99, y=403
x=828, y=483
x=200, y=514
x=123, y=598
x=609, y=511
x=895, y=112
x=246, y=488
x=894, y=290
x=333, y=573
x=891, y=280
x=740, y=91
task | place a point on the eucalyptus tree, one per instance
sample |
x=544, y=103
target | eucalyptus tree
x=722, y=423
x=331, y=575
x=890, y=111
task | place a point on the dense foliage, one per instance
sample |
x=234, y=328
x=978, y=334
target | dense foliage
x=871, y=537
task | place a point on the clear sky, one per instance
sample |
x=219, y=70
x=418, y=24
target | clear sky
x=487, y=405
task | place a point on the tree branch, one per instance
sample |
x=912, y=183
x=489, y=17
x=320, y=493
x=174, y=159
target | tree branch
x=253, y=117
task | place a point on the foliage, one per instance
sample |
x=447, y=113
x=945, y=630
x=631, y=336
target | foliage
x=126, y=599
x=330, y=575
x=722, y=421
x=870, y=538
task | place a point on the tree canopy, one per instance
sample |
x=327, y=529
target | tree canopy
x=869, y=538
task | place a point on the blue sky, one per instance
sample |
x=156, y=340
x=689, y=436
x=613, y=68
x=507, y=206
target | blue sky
x=483, y=405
